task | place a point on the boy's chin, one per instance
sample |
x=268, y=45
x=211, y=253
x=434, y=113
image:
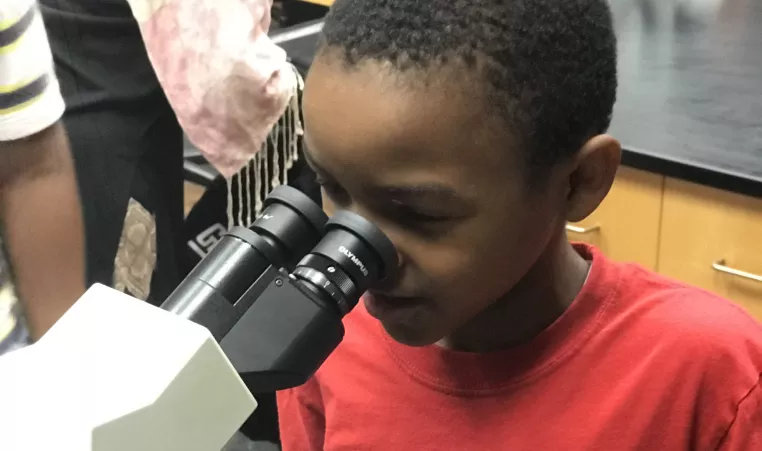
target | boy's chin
x=409, y=335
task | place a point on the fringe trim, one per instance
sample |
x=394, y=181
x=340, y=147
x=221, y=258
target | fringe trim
x=282, y=144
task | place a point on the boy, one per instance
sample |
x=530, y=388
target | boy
x=471, y=132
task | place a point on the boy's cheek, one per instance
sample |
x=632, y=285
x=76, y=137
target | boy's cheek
x=453, y=284
x=465, y=283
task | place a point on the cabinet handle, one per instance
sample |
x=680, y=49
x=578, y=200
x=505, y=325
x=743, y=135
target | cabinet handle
x=582, y=230
x=719, y=265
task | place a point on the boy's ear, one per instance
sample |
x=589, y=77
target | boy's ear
x=592, y=175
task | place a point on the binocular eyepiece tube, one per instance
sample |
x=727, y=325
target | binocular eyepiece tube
x=273, y=295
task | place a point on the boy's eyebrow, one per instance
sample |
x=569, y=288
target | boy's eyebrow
x=402, y=193
x=412, y=193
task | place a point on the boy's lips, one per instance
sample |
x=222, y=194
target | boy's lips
x=381, y=305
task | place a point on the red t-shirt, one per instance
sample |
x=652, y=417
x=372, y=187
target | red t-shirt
x=638, y=362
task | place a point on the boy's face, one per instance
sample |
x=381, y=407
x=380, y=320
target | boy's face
x=436, y=173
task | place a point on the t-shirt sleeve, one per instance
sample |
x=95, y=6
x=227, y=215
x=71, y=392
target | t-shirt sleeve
x=301, y=418
x=30, y=98
x=745, y=432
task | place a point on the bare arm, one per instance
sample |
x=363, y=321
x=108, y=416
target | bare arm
x=42, y=225
x=40, y=212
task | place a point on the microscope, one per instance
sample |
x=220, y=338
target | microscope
x=260, y=313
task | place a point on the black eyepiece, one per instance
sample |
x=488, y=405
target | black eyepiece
x=288, y=227
x=353, y=255
x=291, y=223
x=300, y=203
x=373, y=237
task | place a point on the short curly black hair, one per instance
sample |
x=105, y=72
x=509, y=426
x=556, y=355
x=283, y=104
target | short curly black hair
x=549, y=66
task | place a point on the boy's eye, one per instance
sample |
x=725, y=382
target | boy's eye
x=402, y=213
x=409, y=214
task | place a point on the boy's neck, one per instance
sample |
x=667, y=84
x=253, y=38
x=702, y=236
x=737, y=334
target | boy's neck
x=542, y=296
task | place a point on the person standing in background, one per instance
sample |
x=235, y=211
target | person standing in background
x=41, y=258
x=127, y=147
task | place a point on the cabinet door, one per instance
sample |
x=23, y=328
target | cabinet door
x=626, y=225
x=713, y=239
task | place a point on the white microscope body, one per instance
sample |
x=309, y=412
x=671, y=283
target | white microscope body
x=118, y=374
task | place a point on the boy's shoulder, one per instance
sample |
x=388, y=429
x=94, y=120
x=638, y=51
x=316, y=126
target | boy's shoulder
x=689, y=325
x=706, y=349
x=628, y=295
x=671, y=305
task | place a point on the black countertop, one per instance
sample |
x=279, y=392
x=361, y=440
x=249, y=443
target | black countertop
x=690, y=88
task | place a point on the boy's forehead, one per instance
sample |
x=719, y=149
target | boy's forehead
x=411, y=116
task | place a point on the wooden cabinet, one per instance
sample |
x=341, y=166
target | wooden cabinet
x=702, y=236
x=713, y=239
x=626, y=225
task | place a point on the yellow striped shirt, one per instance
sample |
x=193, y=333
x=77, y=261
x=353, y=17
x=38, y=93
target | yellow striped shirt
x=30, y=99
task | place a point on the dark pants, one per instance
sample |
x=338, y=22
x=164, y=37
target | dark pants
x=125, y=139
